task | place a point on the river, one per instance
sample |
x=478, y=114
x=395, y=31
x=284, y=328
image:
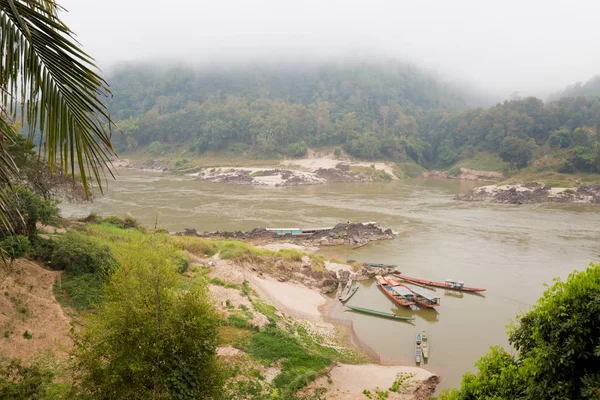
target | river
x=510, y=250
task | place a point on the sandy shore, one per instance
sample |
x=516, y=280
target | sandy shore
x=349, y=381
x=294, y=296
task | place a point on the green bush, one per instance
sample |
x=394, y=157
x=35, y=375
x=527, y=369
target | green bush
x=28, y=207
x=77, y=253
x=16, y=246
x=298, y=149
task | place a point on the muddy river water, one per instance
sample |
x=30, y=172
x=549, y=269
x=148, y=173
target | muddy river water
x=510, y=250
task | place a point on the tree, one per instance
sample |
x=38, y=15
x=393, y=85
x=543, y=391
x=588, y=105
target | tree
x=47, y=79
x=151, y=338
x=517, y=151
x=558, y=345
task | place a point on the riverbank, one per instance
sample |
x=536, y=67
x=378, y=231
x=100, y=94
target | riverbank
x=532, y=193
x=315, y=170
x=309, y=308
x=353, y=234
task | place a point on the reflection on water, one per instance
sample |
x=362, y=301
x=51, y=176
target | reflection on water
x=510, y=250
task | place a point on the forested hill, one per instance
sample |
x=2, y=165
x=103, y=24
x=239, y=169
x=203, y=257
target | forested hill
x=372, y=111
x=273, y=107
x=591, y=88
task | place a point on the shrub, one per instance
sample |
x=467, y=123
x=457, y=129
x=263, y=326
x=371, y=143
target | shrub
x=149, y=339
x=16, y=246
x=79, y=254
x=298, y=149
x=36, y=381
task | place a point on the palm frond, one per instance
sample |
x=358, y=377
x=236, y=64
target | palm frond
x=53, y=82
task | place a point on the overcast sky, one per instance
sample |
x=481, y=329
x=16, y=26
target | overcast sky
x=534, y=47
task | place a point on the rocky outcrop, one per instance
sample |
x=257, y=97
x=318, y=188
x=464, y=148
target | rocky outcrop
x=532, y=193
x=354, y=234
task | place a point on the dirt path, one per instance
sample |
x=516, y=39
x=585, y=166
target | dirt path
x=28, y=304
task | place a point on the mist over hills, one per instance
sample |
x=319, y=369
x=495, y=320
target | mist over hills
x=371, y=109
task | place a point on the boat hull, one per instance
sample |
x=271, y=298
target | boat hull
x=380, y=313
x=416, y=300
x=350, y=293
x=438, y=284
x=382, y=285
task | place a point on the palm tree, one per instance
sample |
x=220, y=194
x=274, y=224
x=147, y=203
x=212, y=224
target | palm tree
x=47, y=81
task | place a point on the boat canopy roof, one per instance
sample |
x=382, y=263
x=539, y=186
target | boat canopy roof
x=455, y=281
x=402, y=291
x=428, y=294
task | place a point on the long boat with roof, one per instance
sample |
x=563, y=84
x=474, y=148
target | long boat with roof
x=422, y=297
x=398, y=295
x=451, y=284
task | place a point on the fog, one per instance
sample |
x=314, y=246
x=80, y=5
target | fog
x=533, y=47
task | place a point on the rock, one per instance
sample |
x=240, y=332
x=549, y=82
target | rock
x=306, y=262
x=344, y=275
x=316, y=274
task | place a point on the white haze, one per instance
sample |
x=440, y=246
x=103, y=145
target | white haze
x=533, y=47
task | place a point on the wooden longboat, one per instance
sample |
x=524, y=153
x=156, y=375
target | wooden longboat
x=380, y=313
x=345, y=290
x=447, y=284
x=400, y=297
x=351, y=292
x=418, y=349
x=422, y=297
x=379, y=265
x=425, y=345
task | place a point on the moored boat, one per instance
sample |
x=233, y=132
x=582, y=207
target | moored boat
x=346, y=290
x=399, y=296
x=380, y=313
x=422, y=297
x=425, y=344
x=447, y=284
x=418, y=348
x=353, y=290
x=379, y=265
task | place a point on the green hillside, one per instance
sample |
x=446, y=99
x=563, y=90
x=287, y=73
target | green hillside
x=373, y=110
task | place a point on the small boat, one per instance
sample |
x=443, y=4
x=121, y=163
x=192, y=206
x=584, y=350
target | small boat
x=350, y=293
x=380, y=313
x=424, y=345
x=339, y=291
x=376, y=265
x=400, y=296
x=422, y=297
x=447, y=284
x=418, y=349
x=346, y=290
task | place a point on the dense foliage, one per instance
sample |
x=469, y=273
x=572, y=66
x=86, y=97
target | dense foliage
x=558, y=345
x=391, y=111
x=86, y=263
x=150, y=339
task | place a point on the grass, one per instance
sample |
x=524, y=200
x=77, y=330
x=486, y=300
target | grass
x=220, y=282
x=408, y=169
x=483, y=162
x=80, y=291
x=298, y=366
x=376, y=175
x=552, y=178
